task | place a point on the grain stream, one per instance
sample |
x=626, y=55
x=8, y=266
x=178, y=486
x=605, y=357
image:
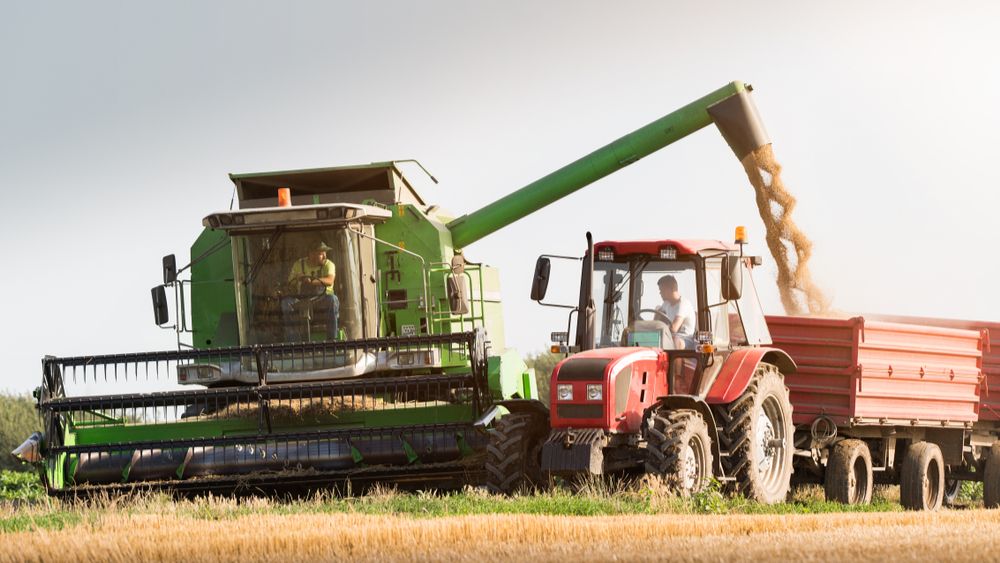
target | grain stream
x=789, y=246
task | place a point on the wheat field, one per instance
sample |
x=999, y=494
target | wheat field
x=126, y=536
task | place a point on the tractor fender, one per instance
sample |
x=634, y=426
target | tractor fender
x=690, y=402
x=740, y=366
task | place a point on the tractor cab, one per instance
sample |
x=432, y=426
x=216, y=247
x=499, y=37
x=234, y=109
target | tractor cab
x=633, y=292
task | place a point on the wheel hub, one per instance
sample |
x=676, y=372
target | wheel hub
x=764, y=438
x=689, y=468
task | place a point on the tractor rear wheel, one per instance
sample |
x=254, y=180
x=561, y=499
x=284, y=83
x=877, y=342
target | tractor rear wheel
x=849, y=477
x=513, y=455
x=756, y=431
x=679, y=450
x=991, y=478
x=921, y=481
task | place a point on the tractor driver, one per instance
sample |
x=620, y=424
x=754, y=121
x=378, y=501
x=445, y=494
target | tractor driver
x=677, y=312
x=311, y=280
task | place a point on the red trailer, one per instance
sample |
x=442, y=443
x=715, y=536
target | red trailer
x=885, y=401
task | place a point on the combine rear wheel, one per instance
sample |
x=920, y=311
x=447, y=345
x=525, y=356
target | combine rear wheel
x=849, y=477
x=921, y=481
x=991, y=478
x=679, y=450
x=756, y=430
x=513, y=456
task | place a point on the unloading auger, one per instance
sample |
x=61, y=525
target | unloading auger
x=284, y=379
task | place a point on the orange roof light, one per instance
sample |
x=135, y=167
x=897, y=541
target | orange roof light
x=284, y=197
x=741, y=235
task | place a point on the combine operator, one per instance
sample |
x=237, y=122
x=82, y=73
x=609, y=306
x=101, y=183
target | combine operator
x=311, y=281
x=677, y=312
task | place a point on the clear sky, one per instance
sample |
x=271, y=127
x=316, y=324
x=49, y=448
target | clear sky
x=120, y=120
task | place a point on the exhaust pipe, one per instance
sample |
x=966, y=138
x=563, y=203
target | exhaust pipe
x=740, y=124
x=31, y=450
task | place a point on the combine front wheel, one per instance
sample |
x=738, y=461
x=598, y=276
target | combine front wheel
x=513, y=456
x=679, y=450
x=756, y=430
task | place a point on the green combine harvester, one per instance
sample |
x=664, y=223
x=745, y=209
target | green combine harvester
x=334, y=331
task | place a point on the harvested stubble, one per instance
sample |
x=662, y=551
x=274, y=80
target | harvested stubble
x=799, y=294
x=267, y=537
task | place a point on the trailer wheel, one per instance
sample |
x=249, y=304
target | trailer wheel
x=921, y=481
x=513, y=456
x=991, y=478
x=756, y=430
x=679, y=450
x=849, y=477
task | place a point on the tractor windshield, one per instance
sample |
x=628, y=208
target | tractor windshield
x=295, y=286
x=640, y=302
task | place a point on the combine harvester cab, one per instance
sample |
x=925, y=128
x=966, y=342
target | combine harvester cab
x=338, y=335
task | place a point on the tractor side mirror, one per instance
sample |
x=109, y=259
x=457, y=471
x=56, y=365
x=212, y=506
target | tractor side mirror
x=169, y=269
x=540, y=283
x=732, y=278
x=160, y=311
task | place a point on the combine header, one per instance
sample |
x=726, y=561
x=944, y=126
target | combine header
x=340, y=334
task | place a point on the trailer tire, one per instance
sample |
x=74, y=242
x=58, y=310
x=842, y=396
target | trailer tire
x=921, y=480
x=756, y=431
x=513, y=455
x=991, y=478
x=849, y=478
x=679, y=450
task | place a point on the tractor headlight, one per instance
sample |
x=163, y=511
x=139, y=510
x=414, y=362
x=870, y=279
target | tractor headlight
x=197, y=373
x=595, y=392
x=564, y=392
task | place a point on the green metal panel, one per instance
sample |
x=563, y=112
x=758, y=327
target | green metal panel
x=612, y=157
x=506, y=374
x=213, y=298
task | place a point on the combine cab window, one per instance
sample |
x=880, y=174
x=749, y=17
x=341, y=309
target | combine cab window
x=279, y=296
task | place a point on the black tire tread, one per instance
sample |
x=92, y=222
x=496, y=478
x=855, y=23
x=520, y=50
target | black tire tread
x=666, y=434
x=918, y=458
x=736, y=429
x=840, y=469
x=510, y=466
x=991, y=478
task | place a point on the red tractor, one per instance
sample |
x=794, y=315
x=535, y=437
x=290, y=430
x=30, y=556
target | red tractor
x=648, y=390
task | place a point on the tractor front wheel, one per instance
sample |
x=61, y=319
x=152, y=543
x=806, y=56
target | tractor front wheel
x=756, y=431
x=679, y=450
x=513, y=456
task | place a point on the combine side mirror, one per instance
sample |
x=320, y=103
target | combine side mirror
x=732, y=278
x=160, y=311
x=169, y=269
x=540, y=283
x=458, y=296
